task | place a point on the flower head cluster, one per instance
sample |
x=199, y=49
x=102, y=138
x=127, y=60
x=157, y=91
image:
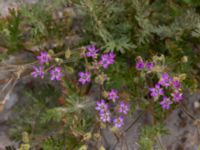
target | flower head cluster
x=105, y=61
x=167, y=86
x=104, y=112
x=102, y=106
x=141, y=65
x=91, y=51
x=44, y=58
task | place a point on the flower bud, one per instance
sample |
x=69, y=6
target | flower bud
x=102, y=148
x=87, y=136
x=97, y=136
x=83, y=147
x=59, y=60
x=25, y=137
x=160, y=58
x=105, y=94
x=68, y=53
x=51, y=52
x=184, y=59
x=100, y=79
x=182, y=76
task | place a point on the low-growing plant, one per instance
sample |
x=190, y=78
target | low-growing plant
x=130, y=55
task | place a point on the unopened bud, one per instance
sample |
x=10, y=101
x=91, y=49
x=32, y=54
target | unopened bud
x=184, y=59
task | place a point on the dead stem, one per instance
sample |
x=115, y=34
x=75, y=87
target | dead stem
x=126, y=145
x=182, y=107
x=160, y=142
x=139, y=116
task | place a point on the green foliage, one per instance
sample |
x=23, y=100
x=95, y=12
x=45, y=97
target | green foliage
x=107, y=23
x=130, y=28
x=149, y=135
x=25, y=141
x=42, y=113
x=51, y=143
x=26, y=28
x=10, y=32
x=127, y=25
x=32, y=110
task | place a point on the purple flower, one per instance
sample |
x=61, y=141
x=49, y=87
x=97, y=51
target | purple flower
x=44, y=57
x=56, y=73
x=166, y=102
x=149, y=66
x=119, y=122
x=123, y=108
x=84, y=77
x=101, y=106
x=157, y=91
x=177, y=96
x=107, y=59
x=165, y=80
x=176, y=84
x=105, y=116
x=140, y=64
x=112, y=95
x=38, y=71
x=91, y=51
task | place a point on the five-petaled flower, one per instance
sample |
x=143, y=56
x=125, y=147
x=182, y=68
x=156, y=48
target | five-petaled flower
x=38, y=71
x=107, y=59
x=101, y=106
x=85, y=77
x=56, y=73
x=166, y=102
x=123, y=108
x=91, y=51
x=118, y=122
x=165, y=80
x=113, y=95
x=156, y=91
x=176, y=84
x=44, y=57
x=177, y=96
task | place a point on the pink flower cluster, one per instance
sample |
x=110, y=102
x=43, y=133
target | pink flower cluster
x=105, y=61
x=102, y=106
x=141, y=65
x=167, y=85
x=104, y=112
x=44, y=58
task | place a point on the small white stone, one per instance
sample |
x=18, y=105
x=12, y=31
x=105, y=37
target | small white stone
x=11, y=101
x=196, y=104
